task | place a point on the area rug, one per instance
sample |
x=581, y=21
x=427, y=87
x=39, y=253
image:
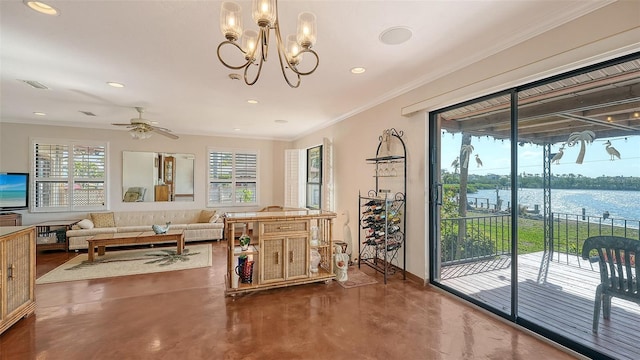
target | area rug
x=357, y=278
x=129, y=262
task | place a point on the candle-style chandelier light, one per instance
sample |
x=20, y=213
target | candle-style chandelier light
x=265, y=14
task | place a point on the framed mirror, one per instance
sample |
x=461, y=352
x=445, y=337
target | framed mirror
x=155, y=176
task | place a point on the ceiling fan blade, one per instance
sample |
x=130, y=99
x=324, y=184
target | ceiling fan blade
x=165, y=133
x=129, y=124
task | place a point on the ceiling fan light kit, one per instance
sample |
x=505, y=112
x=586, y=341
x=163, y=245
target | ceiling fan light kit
x=265, y=15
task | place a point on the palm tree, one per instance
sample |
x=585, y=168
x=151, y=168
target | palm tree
x=583, y=137
x=465, y=151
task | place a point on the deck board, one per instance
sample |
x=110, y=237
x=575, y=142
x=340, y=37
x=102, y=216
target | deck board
x=563, y=304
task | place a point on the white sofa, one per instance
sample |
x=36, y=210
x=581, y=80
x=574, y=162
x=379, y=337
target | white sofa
x=197, y=225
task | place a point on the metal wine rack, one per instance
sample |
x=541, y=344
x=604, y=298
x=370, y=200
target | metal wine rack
x=382, y=234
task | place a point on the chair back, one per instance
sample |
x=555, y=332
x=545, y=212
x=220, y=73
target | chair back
x=618, y=266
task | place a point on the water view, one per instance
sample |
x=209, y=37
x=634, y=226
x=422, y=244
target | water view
x=618, y=204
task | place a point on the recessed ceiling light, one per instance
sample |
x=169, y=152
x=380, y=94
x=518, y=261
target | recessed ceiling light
x=39, y=113
x=358, y=70
x=280, y=121
x=115, y=84
x=252, y=101
x=41, y=7
x=395, y=35
x=236, y=129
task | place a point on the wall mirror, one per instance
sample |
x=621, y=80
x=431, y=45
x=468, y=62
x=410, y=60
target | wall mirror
x=156, y=176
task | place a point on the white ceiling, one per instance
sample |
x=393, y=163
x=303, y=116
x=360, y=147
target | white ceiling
x=165, y=54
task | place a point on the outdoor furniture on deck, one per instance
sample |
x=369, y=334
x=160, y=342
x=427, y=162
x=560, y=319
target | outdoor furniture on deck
x=618, y=269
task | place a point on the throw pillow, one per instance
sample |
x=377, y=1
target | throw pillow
x=85, y=224
x=103, y=220
x=206, y=215
x=131, y=197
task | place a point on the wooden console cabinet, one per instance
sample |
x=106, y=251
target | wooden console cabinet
x=281, y=246
x=10, y=219
x=17, y=274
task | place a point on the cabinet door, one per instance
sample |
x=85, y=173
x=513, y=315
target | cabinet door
x=297, y=257
x=17, y=271
x=272, y=260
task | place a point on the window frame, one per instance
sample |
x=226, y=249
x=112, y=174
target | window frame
x=70, y=177
x=234, y=179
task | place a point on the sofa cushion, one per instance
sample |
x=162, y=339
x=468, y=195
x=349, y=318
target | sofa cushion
x=91, y=232
x=103, y=220
x=206, y=216
x=85, y=224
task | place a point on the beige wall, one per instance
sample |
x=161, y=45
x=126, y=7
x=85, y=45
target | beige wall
x=612, y=31
x=584, y=41
x=14, y=157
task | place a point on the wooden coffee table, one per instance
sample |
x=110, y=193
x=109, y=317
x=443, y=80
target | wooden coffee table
x=132, y=238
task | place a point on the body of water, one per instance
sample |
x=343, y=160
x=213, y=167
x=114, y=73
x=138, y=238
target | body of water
x=619, y=204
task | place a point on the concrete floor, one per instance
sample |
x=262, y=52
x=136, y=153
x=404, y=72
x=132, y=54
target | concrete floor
x=185, y=315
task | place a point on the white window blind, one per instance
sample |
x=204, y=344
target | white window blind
x=233, y=178
x=294, y=167
x=68, y=175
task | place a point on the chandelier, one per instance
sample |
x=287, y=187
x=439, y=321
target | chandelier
x=255, y=45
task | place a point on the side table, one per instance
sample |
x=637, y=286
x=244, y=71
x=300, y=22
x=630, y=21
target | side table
x=52, y=235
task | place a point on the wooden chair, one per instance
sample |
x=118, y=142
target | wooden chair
x=618, y=268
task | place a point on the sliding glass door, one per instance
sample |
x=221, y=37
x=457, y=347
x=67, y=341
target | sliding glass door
x=520, y=180
x=474, y=221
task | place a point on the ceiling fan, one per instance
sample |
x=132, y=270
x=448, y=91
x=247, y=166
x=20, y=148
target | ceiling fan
x=143, y=128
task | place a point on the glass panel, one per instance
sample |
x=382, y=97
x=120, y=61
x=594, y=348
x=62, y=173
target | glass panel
x=220, y=165
x=474, y=239
x=88, y=193
x=220, y=193
x=578, y=177
x=245, y=192
x=246, y=166
x=313, y=196
x=314, y=165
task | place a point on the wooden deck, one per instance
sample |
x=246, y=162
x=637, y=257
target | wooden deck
x=563, y=304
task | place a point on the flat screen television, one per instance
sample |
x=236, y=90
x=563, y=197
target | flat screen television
x=14, y=191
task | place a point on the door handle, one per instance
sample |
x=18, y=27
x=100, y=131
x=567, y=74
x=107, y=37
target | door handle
x=10, y=271
x=437, y=193
x=277, y=258
x=291, y=256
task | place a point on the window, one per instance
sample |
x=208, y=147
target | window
x=314, y=177
x=68, y=175
x=233, y=178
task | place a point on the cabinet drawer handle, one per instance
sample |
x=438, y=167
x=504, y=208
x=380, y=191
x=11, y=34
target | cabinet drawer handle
x=291, y=256
x=10, y=270
x=285, y=228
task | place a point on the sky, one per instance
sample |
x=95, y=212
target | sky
x=496, y=157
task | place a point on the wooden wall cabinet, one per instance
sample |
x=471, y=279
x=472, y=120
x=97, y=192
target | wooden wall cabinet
x=280, y=248
x=17, y=274
x=161, y=193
